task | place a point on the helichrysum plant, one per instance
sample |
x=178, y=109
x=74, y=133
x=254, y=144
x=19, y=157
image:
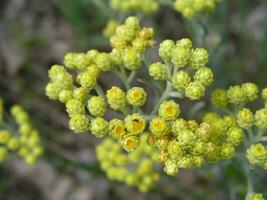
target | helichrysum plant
x=23, y=141
x=137, y=140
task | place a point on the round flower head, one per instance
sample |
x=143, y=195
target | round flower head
x=264, y=94
x=180, y=80
x=179, y=125
x=236, y=95
x=116, y=56
x=74, y=106
x=136, y=96
x=180, y=56
x=91, y=54
x=116, y=98
x=79, y=123
x=245, y=118
x=256, y=154
x=171, y=168
x=199, y=57
x=261, y=118
x=185, y=137
x=219, y=98
x=204, y=76
x=55, y=71
x=135, y=124
x=60, y=77
x=99, y=127
x=133, y=23
x=227, y=151
x=162, y=142
x=125, y=33
x=256, y=196
x=130, y=142
x=175, y=150
x=87, y=80
x=95, y=70
x=251, y=91
x=186, y=162
x=76, y=61
x=158, y=71
x=165, y=49
x=13, y=143
x=185, y=43
x=96, y=106
x=65, y=95
x=194, y=91
x=159, y=126
x=116, y=128
x=104, y=61
x=131, y=59
x=52, y=91
x=235, y=136
x=80, y=93
x=169, y=110
x=230, y=121
x=4, y=136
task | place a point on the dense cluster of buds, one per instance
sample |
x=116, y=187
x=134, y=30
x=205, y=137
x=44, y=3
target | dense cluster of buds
x=23, y=141
x=136, y=168
x=253, y=123
x=162, y=133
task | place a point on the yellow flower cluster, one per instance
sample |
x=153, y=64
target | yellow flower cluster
x=136, y=169
x=128, y=6
x=86, y=102
x=254, y=124
x=172, y=140
x=24, y=142
x=191, y=8
x=188, y=144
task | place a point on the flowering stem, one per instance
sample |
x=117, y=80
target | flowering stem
x=123, y=76
x=99, y=91
x=164, y=96
x=131, y=77
x=249, y=183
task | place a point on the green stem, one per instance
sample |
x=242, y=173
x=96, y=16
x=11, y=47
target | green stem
x=249, y=183
x=164, y=96
x=131, y=77
x=125, y=111
x=100, y=91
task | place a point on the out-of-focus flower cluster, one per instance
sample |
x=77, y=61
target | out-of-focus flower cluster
x=256, y=196
x=24, y=141
x=130, y=6
x=188, y=8
x=136, y=168
x=191, y=8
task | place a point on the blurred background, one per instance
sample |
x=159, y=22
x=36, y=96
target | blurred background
x=34, y=34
